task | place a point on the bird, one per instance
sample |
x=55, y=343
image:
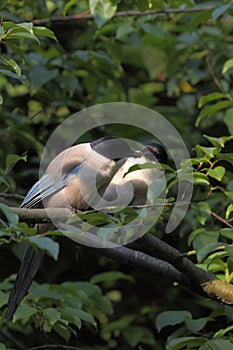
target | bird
x=132, y=188
x=68, y=182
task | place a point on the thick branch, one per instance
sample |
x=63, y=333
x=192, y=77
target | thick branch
x=41, y=216
x=201, y=280
x=138, y=259
x=163, y=259
x=84, y=16
x=164, y=251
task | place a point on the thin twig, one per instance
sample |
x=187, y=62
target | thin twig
x=84, y=16
x=219, y=218
x=152, y=255
x=215, y=79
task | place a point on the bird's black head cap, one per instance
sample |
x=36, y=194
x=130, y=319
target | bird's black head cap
x=157, y=151
x=112, y=148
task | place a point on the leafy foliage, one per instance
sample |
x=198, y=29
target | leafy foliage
x=176, y=62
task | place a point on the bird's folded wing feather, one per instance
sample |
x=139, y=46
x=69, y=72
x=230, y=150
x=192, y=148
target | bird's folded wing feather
x=32, y=258
x=47, y=186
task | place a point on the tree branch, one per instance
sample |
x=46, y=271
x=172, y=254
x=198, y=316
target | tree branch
x=164, y=260
x=164, y=251
x=135, y=258
x=219, y=218
x=84, y=16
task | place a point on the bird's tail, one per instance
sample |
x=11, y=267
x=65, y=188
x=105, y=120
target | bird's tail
x=27, y=271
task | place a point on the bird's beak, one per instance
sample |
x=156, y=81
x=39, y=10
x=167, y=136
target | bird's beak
x=148, y=155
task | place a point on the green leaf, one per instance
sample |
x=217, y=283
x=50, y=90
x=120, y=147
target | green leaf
x=228, y=119
x=150, y=166
x=226, y=232
x=71, y=316
x=2, y=347
x=199, y=18
x=230, y=265
x=217, y=172
x=102, y=10
x=124, y=30
x=142, y=5
x=222, y=332
x=40, y=75
x=21, y=30
x=201, y=179
x=24, y=311
x=218, y=141
x=53, y=315
x=78, y=314
x=27, y=26
x=196, y=325
x=45, y=243
x=228, y=157
x=202, y=211
x=204, y=242
x=185, y=343
x=211, y=97
x=208, y=152
x=12, y=159
x=211, y=110
x=44, y=291
x=9, y=73
x=227, y=65
x=11, y=217
x=3, y=298
x=219, y=11
x=44, y=32
x=220, y=344
x=62, y=329
x=171, y=318
x=13, y=65
x=135, y=335
x=68, y=5
x=229, y=250
x=110, y=276
x=229, y=211
x=120, y=324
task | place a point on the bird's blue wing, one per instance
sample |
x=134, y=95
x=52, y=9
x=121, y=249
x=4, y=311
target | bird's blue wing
x=47, y=186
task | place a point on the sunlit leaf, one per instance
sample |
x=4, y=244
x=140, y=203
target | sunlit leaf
x=219, y=11
x=211, y=97
x=212, y=109
x=44, y=32
x=102, y=10
x=217, y=172
x=227, y=65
